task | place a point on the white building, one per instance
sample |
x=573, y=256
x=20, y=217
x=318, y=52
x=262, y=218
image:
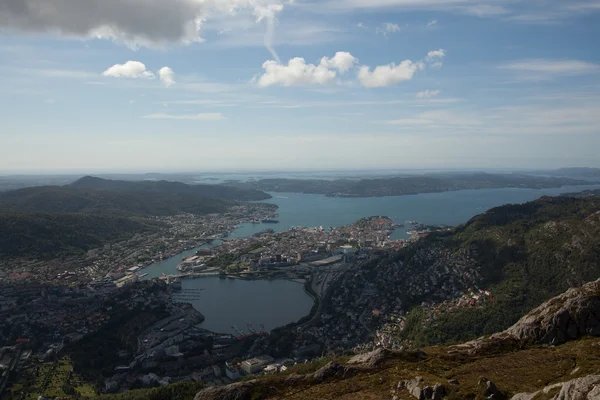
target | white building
x=256, y=364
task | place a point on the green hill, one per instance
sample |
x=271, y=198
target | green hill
x=67, y=199
x=47, y=221
x=44, y=235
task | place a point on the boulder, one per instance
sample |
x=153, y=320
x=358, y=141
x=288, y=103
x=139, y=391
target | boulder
x=417, y=388
x=491, y=391
x=236, y=391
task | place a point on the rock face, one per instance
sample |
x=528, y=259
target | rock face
x=236, y=391
x=586, y=388
x=569, y=316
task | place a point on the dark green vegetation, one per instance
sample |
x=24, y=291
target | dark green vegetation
x=50, y=221
x=95, y=356
x=526, y=254
x=178, y=391
x=405, y=185
x=45, y=235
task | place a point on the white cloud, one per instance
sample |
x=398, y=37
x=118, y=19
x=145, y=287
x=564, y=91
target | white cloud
x=436, y=54
x=432, y=22
x=361, y=25
x=131, y=69
x=166, y=76
x=342, y=61
x=387, y=75
x=193, y=117
x=298, y=72
x=552, y=67
x=386, y=28
x=427, y=94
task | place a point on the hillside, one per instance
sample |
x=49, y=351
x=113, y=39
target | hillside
x=44, y=235
x=406, y=185
x=67, y=199
x=523, y=255
x=94, y=195
x=48, y=221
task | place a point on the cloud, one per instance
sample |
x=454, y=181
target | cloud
x=193, y=117
x=436, y=54
x=342, y=61
x=387, y=75
x=432, y=22
x=131, y=69
x=387, y=28
x=361, y=25
x=166, y=76
x=128, y=21
x=298, y=72
x=540, y=68
x=269, y=13
x=427, y=94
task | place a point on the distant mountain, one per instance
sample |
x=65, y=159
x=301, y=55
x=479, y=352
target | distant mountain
x=48, y=221
x=577, y=172
x=221, y=192
x=69, y=199
x=584, y=193
x=406, y=185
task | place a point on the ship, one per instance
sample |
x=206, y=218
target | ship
x=270, y=221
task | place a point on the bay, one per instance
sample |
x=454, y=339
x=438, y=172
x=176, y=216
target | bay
x=446, y=208
x=227, y=302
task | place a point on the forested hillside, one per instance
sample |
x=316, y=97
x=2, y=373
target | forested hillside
x=524, y=254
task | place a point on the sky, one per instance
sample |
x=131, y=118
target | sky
x=221, y=85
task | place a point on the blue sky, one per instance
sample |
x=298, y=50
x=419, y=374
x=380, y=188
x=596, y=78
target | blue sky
x=185, y=85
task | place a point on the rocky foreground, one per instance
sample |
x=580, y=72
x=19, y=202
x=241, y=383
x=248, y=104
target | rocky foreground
x=552, y=353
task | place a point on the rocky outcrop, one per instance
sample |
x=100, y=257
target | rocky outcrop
x=370, y=360
x=236, y=391
x=418, y=389
x=586, y=388
x=569, y=316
